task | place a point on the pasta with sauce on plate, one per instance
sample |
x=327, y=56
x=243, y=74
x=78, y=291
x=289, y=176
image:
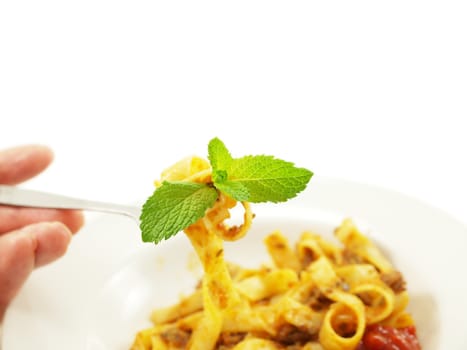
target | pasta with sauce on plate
x=318, y=295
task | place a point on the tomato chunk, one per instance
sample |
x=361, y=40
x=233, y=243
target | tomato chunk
x=378, y=337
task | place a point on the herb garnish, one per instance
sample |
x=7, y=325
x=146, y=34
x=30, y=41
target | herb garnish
x=175, y=205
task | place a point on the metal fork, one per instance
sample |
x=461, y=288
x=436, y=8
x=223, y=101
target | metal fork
x=11, y=195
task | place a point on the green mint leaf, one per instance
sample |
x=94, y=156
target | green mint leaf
x=236, y=190
x=265, y=178
x=218, y=156
x=173, y=207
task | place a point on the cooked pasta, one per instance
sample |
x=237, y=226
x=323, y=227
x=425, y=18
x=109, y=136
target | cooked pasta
x=318, y=295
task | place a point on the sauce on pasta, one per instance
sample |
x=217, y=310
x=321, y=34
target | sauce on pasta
x=379, y=337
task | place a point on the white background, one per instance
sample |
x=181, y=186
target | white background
x=367, y=91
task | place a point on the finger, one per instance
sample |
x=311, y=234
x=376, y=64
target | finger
x=22, y=163
x=13, y=218
x=22, y=250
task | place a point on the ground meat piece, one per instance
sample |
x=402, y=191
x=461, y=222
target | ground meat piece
x=394, y=280
x=294, y=347
x=317, y=300
x=176, y=337
x=229, y=339
x=288, y=334
x=350, y=257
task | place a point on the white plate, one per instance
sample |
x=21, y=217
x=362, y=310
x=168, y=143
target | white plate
x=102, y=292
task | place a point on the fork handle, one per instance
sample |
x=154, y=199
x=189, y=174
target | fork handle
x=11, y=195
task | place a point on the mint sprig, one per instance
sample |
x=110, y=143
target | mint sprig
x=176, y=205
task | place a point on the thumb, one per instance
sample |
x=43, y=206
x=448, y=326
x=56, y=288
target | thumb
x=22, y=250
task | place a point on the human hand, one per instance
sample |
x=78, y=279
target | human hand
x=29, y=237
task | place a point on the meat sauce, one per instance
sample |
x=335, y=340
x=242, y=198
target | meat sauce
x=388, y=338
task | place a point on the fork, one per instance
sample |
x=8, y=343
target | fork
x=14, y=196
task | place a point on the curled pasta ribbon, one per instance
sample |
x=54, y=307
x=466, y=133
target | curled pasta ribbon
x=217, y=215
x=323, y=274
x=281, y=252
x=262, y=286
x=360, y=245
x=218, y=292
x=399, y=317
x=194, y=169
x=323, y=247
x=378, y=300
x=357, y=274
x=205, y=334
x=308, y=251
x=344, y=323
x=401, y=300
x=363, y=280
